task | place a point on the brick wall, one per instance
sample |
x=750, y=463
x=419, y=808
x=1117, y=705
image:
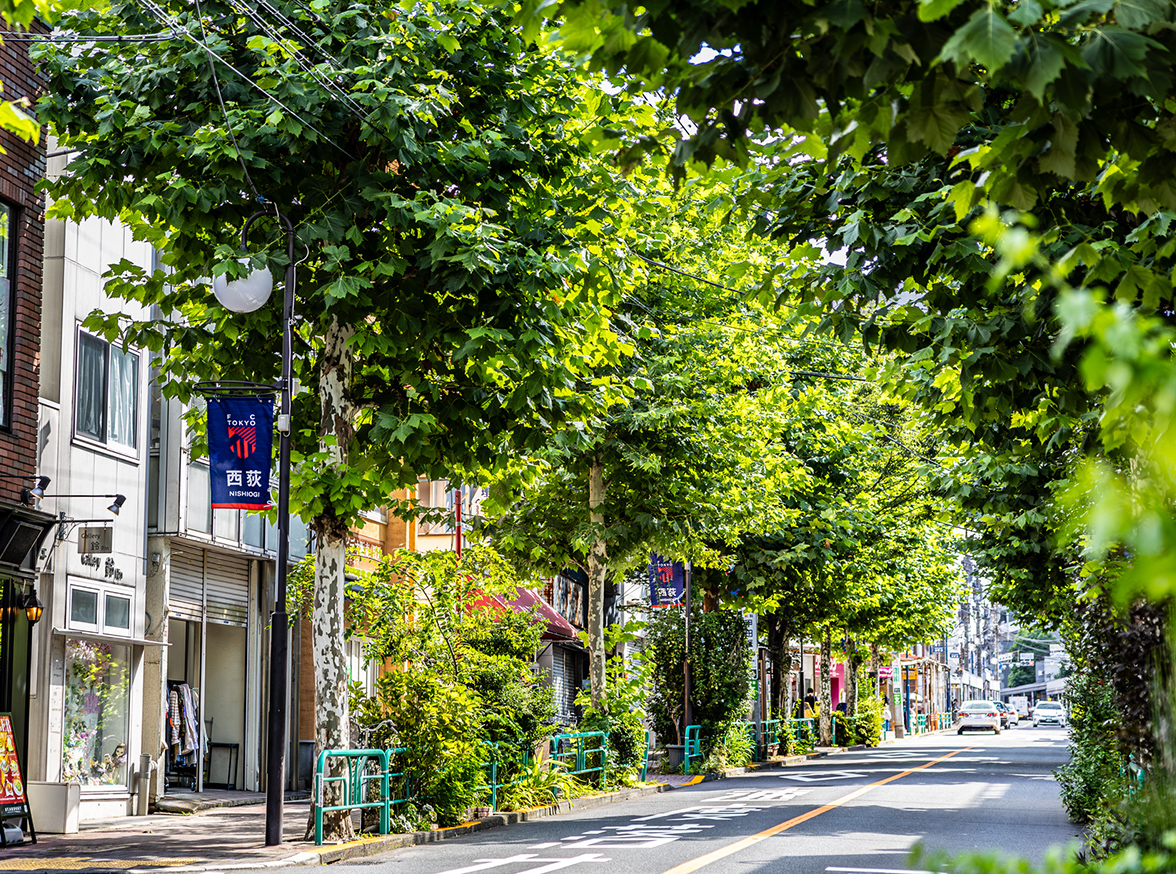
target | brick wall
x=20, y=170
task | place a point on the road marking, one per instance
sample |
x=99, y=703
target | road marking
x=762, y=795
x=820, y=776
x=555, y=864
x=722, y=853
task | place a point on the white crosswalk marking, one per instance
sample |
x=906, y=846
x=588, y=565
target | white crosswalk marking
x=551, y=864
x=762, y=795
x=823, y=776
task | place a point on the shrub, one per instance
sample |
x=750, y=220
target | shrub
x=870, y=717
x=720, y=663
x=1089, y=782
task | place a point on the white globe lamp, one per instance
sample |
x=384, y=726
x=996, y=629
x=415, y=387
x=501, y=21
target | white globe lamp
x=246, y=294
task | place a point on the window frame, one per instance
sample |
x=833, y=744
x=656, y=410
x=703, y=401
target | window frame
x=106, y=443
x=101, y=589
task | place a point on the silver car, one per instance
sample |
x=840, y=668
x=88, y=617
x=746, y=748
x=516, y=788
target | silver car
x=1049, y=713
x=979, y=716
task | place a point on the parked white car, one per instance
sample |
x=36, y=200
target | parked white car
x=1049, y=713
x=979, y=716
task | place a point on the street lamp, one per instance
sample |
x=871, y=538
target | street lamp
x=244, y=296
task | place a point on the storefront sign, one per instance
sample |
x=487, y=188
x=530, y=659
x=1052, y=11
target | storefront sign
x=667, y=581
x=240, y=443
x=885, y=673
x=95, y=540
x=13, y=801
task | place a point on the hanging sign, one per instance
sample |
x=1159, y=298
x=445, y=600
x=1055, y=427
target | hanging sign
x=667, y=581
x=240, y=443
x=885, y=672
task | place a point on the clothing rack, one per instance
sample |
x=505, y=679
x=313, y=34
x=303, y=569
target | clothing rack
x=185, y=739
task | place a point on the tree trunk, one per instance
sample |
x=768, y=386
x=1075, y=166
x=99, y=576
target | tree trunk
x=597, y=569
x=826, y=720
x=332, y=720
x=875, y=666
x=851, y=685
x=781, y=655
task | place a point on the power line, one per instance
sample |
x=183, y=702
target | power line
x=166, y=18
x=221, y=100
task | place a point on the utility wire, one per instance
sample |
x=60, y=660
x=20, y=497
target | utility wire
x=221, y=100
x=51, y=38
x=303, y=61
x=162, y=14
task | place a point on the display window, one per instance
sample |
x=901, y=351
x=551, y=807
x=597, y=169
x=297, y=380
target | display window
x=97, y=713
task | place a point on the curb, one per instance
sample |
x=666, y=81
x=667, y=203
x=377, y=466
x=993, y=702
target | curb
x=376, y=844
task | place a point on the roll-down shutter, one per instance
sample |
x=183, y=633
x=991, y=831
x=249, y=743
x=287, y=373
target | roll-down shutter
x=200, y=577
x=226, y=581
x=186, y=590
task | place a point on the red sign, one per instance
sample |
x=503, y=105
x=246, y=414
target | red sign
x=12, y=788
x=886, y=673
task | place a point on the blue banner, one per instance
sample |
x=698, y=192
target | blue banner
x=240, y=444
x=667, y=581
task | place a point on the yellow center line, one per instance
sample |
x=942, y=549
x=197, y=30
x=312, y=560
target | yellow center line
x=752, y=840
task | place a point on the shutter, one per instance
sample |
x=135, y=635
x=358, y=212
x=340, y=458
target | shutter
x=227, y=579
x=562, y=681
x=186, y=589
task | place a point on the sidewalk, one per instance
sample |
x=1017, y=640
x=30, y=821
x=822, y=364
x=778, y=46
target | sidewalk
x=230, y=835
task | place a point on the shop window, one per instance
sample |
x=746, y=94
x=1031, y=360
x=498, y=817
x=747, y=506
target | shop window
x=199, y=499
x=100, y=608
x=83, y=608
x=253, y=532
x=362, y=671
x=107, y=406
x=7, y=302
x=118, y=612
x=96, y=726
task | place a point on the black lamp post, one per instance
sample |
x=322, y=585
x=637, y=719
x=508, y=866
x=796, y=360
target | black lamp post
x=245, y=296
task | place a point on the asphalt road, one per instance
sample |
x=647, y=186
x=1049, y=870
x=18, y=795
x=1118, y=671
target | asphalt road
x=848, y=813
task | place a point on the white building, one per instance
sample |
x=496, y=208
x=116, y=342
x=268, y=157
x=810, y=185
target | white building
x=182, y=597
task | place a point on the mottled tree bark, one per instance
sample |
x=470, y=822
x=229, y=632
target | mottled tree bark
x=597, y=569
x=780, y=652
x=826, y=720
x=332, y=720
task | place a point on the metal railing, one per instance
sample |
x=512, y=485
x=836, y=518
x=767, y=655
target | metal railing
x=582, y=752
x=504, y=759
x=692, y=748
x=352, y=786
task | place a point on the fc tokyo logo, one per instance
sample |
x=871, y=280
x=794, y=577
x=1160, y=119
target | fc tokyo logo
x=242, y=441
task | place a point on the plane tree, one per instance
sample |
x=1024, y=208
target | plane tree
x=445, y=195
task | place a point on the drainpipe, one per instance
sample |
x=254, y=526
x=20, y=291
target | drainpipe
x=146, y=766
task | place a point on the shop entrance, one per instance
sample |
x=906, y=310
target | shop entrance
x=206, y=719
x=208, y=675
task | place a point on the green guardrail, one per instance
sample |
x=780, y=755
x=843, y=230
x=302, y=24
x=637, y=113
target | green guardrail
x=503, y=760
x=582, y=752
x=352, y=786
x=692, y=748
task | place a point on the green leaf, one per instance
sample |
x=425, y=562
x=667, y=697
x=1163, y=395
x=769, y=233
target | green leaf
x=1140, y=14
x=936, y=126
x=932, y=10
x=987, y=39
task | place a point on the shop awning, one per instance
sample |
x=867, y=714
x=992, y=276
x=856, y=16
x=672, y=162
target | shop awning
x=557, y=628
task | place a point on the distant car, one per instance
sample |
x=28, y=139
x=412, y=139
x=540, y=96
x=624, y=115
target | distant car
x=1014, y=717
x=979, y=716
x=1049, y=713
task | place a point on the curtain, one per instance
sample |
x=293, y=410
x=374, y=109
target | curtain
x=124, y=396
x=91, y=413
